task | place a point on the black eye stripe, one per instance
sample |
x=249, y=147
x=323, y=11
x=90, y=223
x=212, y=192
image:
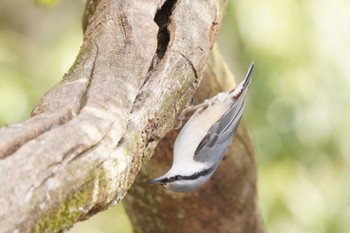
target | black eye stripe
x=191, y=177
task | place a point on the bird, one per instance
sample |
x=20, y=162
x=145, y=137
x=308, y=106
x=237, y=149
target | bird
x=203, y=140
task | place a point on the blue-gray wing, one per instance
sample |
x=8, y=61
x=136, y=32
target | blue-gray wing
x=215, y=142
x=219, y=136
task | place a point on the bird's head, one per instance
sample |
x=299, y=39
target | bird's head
x=184, y=183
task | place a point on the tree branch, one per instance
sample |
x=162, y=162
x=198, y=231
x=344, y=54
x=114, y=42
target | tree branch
x=90, y=134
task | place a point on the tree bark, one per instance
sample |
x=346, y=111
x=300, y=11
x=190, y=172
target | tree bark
x=227, y=203
x=88, y=137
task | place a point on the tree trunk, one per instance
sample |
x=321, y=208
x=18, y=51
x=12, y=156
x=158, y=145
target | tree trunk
x=88, y=137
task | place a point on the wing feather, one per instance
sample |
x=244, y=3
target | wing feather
x=220, y=133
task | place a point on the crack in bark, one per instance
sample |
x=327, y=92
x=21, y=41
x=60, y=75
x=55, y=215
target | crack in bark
x=162, y=19
x=84, y=96
x=33, y=188
x=125, y=27
x=195, y=72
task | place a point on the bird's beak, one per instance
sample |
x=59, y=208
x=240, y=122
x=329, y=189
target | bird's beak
x=159, y=180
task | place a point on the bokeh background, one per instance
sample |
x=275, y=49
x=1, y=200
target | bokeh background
x=298, y=109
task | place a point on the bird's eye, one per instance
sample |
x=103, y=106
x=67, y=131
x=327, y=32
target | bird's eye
x=178, y=177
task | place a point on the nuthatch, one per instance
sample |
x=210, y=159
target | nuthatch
x=202, y=142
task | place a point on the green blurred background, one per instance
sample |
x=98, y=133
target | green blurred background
x=297, y=105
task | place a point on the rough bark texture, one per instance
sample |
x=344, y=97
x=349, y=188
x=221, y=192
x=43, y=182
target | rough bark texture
x=89, y=135
x=226, y=204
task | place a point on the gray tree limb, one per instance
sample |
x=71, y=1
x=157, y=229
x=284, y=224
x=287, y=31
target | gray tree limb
x=90, y=134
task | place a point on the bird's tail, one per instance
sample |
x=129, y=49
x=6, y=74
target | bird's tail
x=243, y=86
x=248, y=76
